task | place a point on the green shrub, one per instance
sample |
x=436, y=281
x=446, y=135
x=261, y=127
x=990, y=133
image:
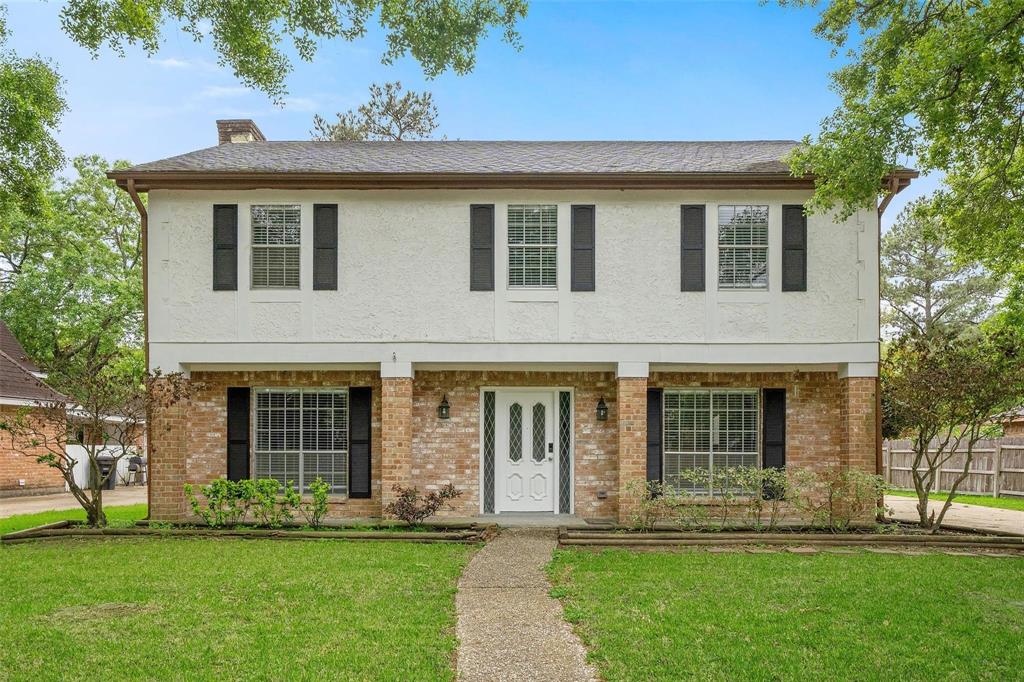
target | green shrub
x=835, y=497
x=228, y=503
x=316, y=510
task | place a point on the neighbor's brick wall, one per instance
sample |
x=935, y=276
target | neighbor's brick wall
x=189, y=440
x=40, y=479
x=448, y=451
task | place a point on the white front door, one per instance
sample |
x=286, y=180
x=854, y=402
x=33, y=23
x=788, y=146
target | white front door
x=524, y=478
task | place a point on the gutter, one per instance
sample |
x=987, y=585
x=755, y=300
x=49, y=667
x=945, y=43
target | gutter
x=129, y=186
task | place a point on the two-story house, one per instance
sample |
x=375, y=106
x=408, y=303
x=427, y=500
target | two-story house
x=538, y=323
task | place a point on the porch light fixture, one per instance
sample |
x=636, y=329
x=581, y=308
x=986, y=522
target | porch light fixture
x=444, y=409
x=602, y=410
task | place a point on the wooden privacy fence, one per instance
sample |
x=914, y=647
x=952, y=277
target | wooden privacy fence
x=997, y=469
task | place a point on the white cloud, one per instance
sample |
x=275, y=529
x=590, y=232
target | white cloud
x=173, y=63
x=301, y=104
x=222, y=91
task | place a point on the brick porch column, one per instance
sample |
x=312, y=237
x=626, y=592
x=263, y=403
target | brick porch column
x=631, y=415
x=167, y=461
x=396, y=428
x=858, y=414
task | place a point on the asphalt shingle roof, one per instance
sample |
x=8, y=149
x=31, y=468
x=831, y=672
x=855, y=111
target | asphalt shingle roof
x=16, y=372
x=758, y=156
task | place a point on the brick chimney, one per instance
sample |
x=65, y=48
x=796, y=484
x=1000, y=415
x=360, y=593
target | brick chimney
x=234, y=130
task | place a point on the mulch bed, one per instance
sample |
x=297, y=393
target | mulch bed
x=468, y=534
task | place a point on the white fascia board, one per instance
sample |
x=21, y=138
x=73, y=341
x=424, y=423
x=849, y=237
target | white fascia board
x=172, y=357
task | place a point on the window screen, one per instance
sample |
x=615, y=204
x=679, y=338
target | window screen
x=302, y=434
x=709, y=429
x=743, y=247
x=276, y=249
x=532, y=246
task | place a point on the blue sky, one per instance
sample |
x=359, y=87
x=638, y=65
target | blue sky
x=720, y=70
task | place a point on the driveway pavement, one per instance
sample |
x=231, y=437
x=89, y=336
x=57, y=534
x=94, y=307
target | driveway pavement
x=961, y=515
x=31, y=504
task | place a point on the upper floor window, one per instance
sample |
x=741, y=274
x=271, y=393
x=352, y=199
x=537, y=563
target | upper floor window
x=533, y=246
x=743, y=247
x=276, y=250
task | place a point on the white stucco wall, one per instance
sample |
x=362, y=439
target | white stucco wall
x=404, y=282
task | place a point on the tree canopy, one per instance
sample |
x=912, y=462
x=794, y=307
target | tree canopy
x=938, y=83
x=247, y=34
x=923, y=285
x=388, y=115
x=71, y=277
x=31, y=106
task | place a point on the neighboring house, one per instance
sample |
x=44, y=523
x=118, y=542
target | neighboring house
x=538, y=323
x=1012, y=422
x=22, y=387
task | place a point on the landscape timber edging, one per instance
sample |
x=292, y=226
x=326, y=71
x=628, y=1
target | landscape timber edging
x=63, y=529
x=574, y=538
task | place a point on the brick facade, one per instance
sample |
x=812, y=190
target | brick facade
x=830, y=421
x=15, y=466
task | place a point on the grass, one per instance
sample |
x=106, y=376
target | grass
x=780, y=616
x=123, y=515
x=201, y=609
x=1015, y=503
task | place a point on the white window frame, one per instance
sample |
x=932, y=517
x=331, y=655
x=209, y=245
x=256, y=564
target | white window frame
x=714, y=435
x=753, y=284
x=268, y=248
x=301, y=484
x=543, y=249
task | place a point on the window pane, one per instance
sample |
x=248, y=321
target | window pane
x=743, y=247
x=532, y=245
x=303, y=434
x=276, y=251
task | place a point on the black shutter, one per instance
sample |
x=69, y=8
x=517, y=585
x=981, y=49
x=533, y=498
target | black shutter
x=325, y=246
x=692, y=252
x=225, y=247
x=794, y=248
x=774, y=433
x=481, y=247
x=360, y=409
x=654, y=435
x=583, y=238
x=238, y=433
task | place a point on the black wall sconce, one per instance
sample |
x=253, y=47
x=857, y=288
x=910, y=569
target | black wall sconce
x=602, y=410
x=444, y=409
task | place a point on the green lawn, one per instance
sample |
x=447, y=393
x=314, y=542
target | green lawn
x=123, y=515
x=1016, y=503
x=201, y=609
x=779, y=616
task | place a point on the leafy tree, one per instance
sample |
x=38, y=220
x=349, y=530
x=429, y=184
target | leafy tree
x=942, y=390
x=106, y=401
x=938, y=82
x=923, y=284
x=31, y=106
x=71, y=277
x=247, y=34
x=389, y=115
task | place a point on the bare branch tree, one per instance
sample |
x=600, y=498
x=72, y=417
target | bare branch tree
x=388, y=115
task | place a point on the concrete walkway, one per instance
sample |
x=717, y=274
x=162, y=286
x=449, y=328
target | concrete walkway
x=961, y=515
x=509, y=628
x=32, y=504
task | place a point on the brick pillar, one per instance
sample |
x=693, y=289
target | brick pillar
x=396, y=434
x=631, y=414
x=168, y=452
x=857, y=412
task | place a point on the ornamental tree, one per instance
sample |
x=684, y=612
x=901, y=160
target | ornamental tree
x=941, y=391
x=106, y=402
